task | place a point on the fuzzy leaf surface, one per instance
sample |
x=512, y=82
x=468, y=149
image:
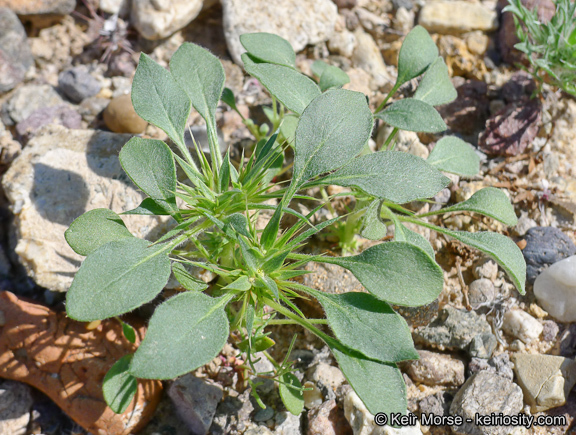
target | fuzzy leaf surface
x=403, y=234
x=453, y=155
x=418, y=51
x=117, y=278
x=291, y=393
x=333, y=77
x=95, y=228
x=269, y=48
x=119, y=386
x=158, y=99
x=436, y=87
x=413, y=115
x=374, y=228
x=188, y=281
x=185, y=332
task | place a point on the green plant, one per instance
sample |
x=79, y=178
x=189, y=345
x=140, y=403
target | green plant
x=549, y=46
x=215, y=208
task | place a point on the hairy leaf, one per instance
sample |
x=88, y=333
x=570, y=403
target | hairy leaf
x=436, y=87
x=453, y=155
x=403, y=234
x=413, y=115
x=188, y=281
x=119, y=386
x=418, y=51
x=291, y=393
x=333, y=77
x=269, y=48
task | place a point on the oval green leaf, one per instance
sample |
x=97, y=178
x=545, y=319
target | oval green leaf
x=291, y=393
x=269, y=48
x=413, y=115
x=396, y=272
x=188, y=281
x=150, y=165
x=453, y=155
x=332, y=130
x=332, y=77
x=396, y=176
x=418, y=51
x=374, y=228
x=368, y=325
x=95, y=228
x=436, y=87
x=185, y=332
x=117, y=278
x=291, y=88
x=158, y=99
x=119, y=386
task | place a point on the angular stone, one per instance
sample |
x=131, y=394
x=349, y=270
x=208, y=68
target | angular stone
x=328, y=419
x=545, y=246
x=435, y=369
x=367, y=56
x=545, y=379
x=39, y=7
x=67, y=362
x=310, y=21
x=60, y=175
x=77, y=84
x=15, y=405
x=555, y=289
x=27, y=99
x=481, y=292
x=62, y=114
x=520, y=324
x=455, y=17
x=157, y=19
x=15, y=55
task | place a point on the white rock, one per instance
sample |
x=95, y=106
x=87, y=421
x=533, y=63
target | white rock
x=455, y=17
x=362, y=421
x=555, y=289
x=157, y=19
x=60, y=175
x=342, y=43
x=522, y=325
x=368, y=57
x=300, y=22
x=15, y=405
x=327, y=375
x=118, y=7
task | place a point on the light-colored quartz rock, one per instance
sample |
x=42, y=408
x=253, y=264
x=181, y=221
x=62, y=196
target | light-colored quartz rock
x=367, y=56
x=456, y=17
x=555, y=289
x=157, y=19
x=520, y=324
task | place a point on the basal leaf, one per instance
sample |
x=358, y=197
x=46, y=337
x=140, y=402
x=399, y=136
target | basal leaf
x=117, y=278
x=374, y=228
x=318, y=67
x=396, y=176
x=188, y=281
x=119, y=386
x=368, y=325
x=239, y=223
x=403, y=234
x=184, y=333
x=396, y=272
x=158, y=99
x=379, y=385
x=490, y=202
x=436, y=87
x=95, y=228
x=333, y=77
x=292, y=89
x=453, y=155
x=150, y=165
x=332, y=130
x=413, y=115
x=418, y=51
x=291, y=393
x=269, y=48
x=228, y=98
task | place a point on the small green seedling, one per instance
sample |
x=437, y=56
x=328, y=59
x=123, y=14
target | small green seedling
x=215, y=208
x=550, y=47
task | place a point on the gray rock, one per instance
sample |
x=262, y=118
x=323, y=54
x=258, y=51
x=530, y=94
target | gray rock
x=311, y=21
x=481, y=292
x=27, y=100
x=165, y=420
x=550, y=330
x=544, y=247
x=568, y=341
x=555, y=289
x=15, y=406
x=77, y=84
x=452, y=329
x=483, y=345
x=485, y=393
x=328, y=419
x=91, y=107
x=435, y=369
x=157, y=19
x=60, y=175
x=499, y=365
x=287, y=424
x=62, y=114
x=15, y=55
x=545, y=379
x=233, y=415
x=196, y=401
x=436, y=404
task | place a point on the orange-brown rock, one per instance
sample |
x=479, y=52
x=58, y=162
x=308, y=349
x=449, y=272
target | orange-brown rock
x=67, y=362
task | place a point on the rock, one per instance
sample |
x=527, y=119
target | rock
x=362, y=421
x=15, y=406
x=486, y=268
x=342, y=43
x=477, y=42
x=345, y=4
x=311, y=21
x=39, y=7
x=482, y=345
x=67, y=362
x=485, y=393
x=196, y=401
x=328, y=419
x=418, y=316
x=27, y=100
x=509, y=131
x=233, y=415
x=455, y=17
x=546, y=380
x=544, y=247
x=452, y=329
x=158, y=19
x=120, y=116
x=435, y=369
x=326, y=375
x=313, y=397
x=550, y=330
x=92, y=107
x=77, y=84
x=568, y=341
x=62, y=114
x=519, y=88
x=481, y=292
x=499, y=365
x=9, y=148
x=469, y=112
x=459, y=60
x=524, y=224
x=15, y=55
x=287, y=424
x=555, y=289
x=434, y=404
x=61, y=174
x=118, y=7
x=367, y=56
x=165, y=420
x=521, y=325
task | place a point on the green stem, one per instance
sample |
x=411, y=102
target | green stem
x=383, y=103
x=292, y=322
x=389, y=139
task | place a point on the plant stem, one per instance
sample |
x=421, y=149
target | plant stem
x=383, y=103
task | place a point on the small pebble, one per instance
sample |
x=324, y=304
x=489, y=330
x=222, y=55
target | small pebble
x=555, y=289
x=522, y=325
x=77, y=84
x=544, y=247
x=481, y=292
x=312, y=395
x=120, y=116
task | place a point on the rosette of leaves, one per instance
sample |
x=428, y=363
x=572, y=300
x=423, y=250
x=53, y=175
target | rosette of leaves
x=214, y=211
x=550, y=46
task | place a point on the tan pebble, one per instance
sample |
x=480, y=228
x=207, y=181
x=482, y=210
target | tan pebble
x=521, y=244
x=120, y=116
x=93, y=325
